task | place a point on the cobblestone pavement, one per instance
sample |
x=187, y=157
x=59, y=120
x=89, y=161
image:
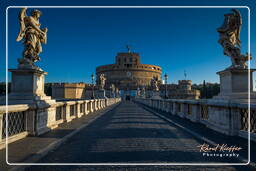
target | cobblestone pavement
x=211, y=134
x=132, y=134
x=24, y=150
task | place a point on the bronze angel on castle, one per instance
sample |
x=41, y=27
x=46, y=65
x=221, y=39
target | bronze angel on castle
x=32, y=35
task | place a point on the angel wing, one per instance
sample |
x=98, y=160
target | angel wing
x=238, y=25
x=22, y=15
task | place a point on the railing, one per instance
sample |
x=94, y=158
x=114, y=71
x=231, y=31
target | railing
x=16, y=123
x=82, y=106
x=228, y=118
x=244, y=120
x=59, y=111
x=13, y=123
x=178, y=107
x=72, y=110
x=204, y=112
x=189, y=109
x=24, y=119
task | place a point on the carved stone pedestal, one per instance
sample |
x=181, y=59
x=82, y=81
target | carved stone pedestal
x=27, y=87
x=234, y=85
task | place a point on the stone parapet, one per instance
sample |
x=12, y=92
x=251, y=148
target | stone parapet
x=29, y=119
x=230, y=118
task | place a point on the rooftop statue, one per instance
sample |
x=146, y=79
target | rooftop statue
x=32, y=36
x=143, y=91
x=138, y=91
x=112, y=88
x=230, y=39
x=154, y=84
x=102, y=81
x=117, y=91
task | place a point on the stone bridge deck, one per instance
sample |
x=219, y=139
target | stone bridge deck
x=132, y=133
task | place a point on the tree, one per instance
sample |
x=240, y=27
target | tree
x=207, y=90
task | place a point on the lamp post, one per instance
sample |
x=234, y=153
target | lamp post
x=165, y=81
x=92, y=86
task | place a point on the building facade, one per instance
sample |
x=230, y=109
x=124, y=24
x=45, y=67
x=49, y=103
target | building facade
x=182, y=90
x=128, y=73
x=72, y=91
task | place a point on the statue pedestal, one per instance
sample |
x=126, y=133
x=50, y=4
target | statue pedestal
x=234, y=85
x=155, y=95
x=27, y=87
x=101, y=94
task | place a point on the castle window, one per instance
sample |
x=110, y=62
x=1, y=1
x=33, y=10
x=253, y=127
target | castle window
x=125, y=60
x=130, y=59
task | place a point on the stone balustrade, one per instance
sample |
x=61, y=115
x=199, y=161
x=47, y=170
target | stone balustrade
x=26, y=120
x=227, y=118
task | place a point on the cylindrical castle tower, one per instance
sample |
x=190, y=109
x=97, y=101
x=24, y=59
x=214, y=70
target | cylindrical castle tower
x=128, y=73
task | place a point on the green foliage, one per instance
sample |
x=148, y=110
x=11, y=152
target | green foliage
x=3, y=88
x=207, y=90
x=48, y=89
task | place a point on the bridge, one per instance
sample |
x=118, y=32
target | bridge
x=137, y=132
x=151, y=131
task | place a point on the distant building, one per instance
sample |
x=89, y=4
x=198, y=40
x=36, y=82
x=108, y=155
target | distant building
x=71, y=91
x=128, y=73
x=182, y=90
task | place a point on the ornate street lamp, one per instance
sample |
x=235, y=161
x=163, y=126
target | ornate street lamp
x=165, y=81
x=92, y=86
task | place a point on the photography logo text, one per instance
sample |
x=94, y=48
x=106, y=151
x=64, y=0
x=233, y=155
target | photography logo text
x=219, y=150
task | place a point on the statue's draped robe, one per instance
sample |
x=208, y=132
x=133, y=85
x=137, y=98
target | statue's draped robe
x=32, y=39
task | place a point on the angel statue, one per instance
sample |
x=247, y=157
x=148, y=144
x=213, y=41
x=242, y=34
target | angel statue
x=138, y=92
x=112, y=88
x=143, y=91
x=117, y=91
x=32, y=36
x=102, y=81
x=230, y=39
x=154, y=84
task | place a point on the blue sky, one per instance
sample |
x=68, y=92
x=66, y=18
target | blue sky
x=175, y=39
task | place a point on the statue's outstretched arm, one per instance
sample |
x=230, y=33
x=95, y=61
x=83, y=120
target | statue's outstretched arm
x=22, y=16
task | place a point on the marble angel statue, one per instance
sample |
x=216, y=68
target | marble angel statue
x=32, y=35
